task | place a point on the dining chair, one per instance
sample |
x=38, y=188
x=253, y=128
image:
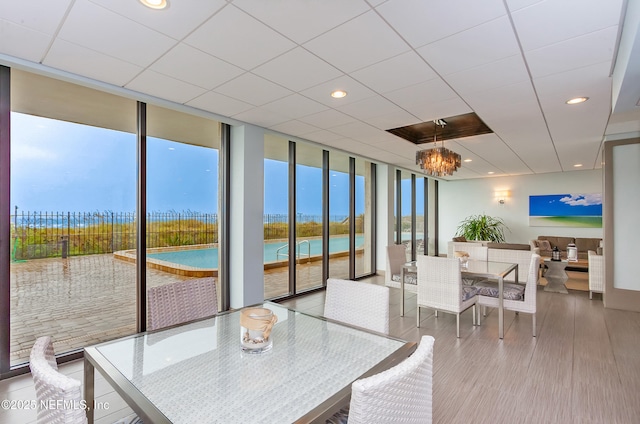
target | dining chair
x=516, y=297
x=596, y=273
x=180, y=302
x=396, y=258
x=400, y=395
x=440, y=288
x=360, y=304
x=476, y=252
x=54, y=388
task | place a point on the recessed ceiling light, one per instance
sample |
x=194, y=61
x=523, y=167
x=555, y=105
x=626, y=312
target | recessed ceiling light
x=338, y=94
x=490, y=172
x=155, y=4
x=577, y=100
x=468, y=160
x=577, y=165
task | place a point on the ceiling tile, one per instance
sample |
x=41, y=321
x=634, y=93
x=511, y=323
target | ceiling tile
x=220, y=104
x=424, y=98
x=262, y=117
x=493, y=150
x=574, y=53
x=295, y=106
x=400, y=118
x=204, y=70
x=362, y=41
x=42, y=16
x=303, y=20
x=294, y=127
x=322, y=92
x=479, y=45
x=521, y=4
x=253, y=42
x=82, y=61
x=253, y=90
x=490, y=76
x=164, y=87
x=322, y=136
x=99, y=29
x=361, y=132
x=563, y=20
x=297, y=69
x=398, y=72
x=369, y=108
x=176, y=21
x=421, y=22
x=22, y=42
x=327, y=119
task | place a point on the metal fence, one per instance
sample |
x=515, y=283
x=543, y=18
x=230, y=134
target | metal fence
x=38, y=235
x=59, y=234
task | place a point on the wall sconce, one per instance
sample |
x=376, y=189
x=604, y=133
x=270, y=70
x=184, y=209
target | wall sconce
x=501, y=196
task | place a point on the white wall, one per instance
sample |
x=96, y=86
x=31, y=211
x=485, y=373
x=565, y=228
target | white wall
x=459, y=199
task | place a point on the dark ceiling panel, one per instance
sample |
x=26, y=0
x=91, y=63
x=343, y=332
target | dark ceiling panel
x=459, y=126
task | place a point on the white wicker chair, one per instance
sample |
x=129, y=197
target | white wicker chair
x=521, y=257
x=528, y=304
x=396, y=257
x=360, y=304
x=440, y=287
x=596, y=273
x=454, y=246
x=180, y=302
x=54, y=387
x=402, y=394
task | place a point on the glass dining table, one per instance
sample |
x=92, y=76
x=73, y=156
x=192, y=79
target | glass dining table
x=197, y=372
x=495, y=271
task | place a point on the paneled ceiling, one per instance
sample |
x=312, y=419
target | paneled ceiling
x=274, y=64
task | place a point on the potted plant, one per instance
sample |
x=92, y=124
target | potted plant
x=482, y=227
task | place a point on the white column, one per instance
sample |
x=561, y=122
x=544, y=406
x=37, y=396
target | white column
x=247, y=207
x=385, y=180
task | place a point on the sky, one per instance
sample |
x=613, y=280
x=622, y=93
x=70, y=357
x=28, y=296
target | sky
x=58, y=166
x=566, y=205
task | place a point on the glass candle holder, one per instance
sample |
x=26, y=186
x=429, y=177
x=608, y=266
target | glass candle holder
x=255, y=329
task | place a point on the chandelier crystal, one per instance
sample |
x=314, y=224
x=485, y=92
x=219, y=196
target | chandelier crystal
x=439, y=161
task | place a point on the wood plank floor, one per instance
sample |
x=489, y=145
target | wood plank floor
x=584, y=366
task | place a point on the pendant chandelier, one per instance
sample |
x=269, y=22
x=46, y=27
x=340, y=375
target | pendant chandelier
x=439, y=161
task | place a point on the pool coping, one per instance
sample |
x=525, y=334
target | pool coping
x=190, y=271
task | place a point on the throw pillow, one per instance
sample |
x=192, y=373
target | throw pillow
x=544, y=245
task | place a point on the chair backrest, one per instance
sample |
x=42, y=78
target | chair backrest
x=360, y=304
x=180, y=302
x=396, y=257
x=476, y=252
x=439, y=282
x=402, y=394
x=531, y=289
x=521, y=257
x=453, y=246
x=596, y=271
x=54, y=388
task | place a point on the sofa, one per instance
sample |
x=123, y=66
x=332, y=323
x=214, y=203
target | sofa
x=547, y=243
x=459, y=244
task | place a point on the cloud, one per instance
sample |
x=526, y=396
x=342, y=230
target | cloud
x=27, y=152
x=583, y=199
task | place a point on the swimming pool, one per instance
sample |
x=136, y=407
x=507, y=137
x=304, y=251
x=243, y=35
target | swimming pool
x=207, y=258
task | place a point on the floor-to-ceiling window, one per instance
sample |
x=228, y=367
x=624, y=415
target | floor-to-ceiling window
x=414, y=198
x=276, y=217
x=73, y=197
x=181, y=196
x=338, y=215
x=364, y=207
x=308, y=217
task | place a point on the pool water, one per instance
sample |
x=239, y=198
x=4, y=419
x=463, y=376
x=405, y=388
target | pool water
x=208, y=257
